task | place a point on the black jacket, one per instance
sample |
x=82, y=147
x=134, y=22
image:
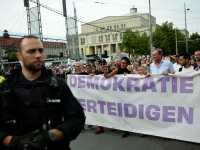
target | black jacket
x=195, y=65
x=46, y=102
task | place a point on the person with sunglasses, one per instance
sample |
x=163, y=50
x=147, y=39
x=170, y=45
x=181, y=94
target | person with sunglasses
x=102, y=67
x=100, y=71
x=121, y=70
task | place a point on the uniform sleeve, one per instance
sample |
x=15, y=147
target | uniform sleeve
x=3, y=133
x=74, y=117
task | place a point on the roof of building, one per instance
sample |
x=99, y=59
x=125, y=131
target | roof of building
x=122, y=16
x=14, y=40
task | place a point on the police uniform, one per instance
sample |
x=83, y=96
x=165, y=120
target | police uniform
x=43, y=104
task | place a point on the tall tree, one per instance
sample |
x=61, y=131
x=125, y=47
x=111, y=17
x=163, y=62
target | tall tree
x=194, y=43
x=127, y=42
x=12, y=57
x=164, y=38
x=134, y=42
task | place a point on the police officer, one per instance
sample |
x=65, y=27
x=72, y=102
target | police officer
x=37, y=110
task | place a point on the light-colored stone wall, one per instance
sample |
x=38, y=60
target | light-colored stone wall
x=108, y=37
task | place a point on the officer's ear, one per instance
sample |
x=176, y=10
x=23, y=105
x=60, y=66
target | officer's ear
x=19, y=56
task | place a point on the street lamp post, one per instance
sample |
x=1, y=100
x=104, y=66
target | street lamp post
x=150, y=30
x=186, y=33
x=176, y=41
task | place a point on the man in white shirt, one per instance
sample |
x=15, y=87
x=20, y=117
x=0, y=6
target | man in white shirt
x=176, y=64
x=184, y=61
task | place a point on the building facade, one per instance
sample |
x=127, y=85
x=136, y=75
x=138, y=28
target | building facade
x=105, y=35
x=50, y=48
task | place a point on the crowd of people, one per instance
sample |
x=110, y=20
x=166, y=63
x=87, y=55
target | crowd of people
x=157, y=64
x=143, y=66
x=38, y=109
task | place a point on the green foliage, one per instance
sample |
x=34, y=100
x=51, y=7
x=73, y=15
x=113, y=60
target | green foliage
x=135, y=41
x=12, y=57
x=194, y=43
x=164, y=38
x=181, y=43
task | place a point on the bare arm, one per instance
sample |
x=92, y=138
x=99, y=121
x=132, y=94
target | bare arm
x=114, y=72
x=166, y=73
x=148, y=75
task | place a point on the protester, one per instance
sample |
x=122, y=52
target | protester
x=197, y=58
x=88, y=69
x=117, y=63
x=159, y=65
x=185, y=63
x=102, y=67
x=135, y=67
x=142, y=70
x=121, y=70
x=192, y=61
x=176, y=64
x=79, y=69
x=130, y=68
x=93, y=70
x=102, y=64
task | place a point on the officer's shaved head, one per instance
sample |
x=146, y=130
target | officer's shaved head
x=19, y=44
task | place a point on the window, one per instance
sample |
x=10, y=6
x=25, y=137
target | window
x=82, y=51
x=109, y=38
x=121, y=36
x=115, y=36
x=114, y=26
x=117, y=26
x=82, y=41
x=101, y=38
x=94, y=39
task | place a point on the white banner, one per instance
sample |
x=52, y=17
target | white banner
x=165, y=106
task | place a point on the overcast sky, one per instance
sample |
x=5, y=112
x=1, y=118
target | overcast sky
x=13, y=13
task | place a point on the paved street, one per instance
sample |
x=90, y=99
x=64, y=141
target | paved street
x=112, y=141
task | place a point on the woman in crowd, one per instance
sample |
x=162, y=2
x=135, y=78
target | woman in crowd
x=121, y=70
